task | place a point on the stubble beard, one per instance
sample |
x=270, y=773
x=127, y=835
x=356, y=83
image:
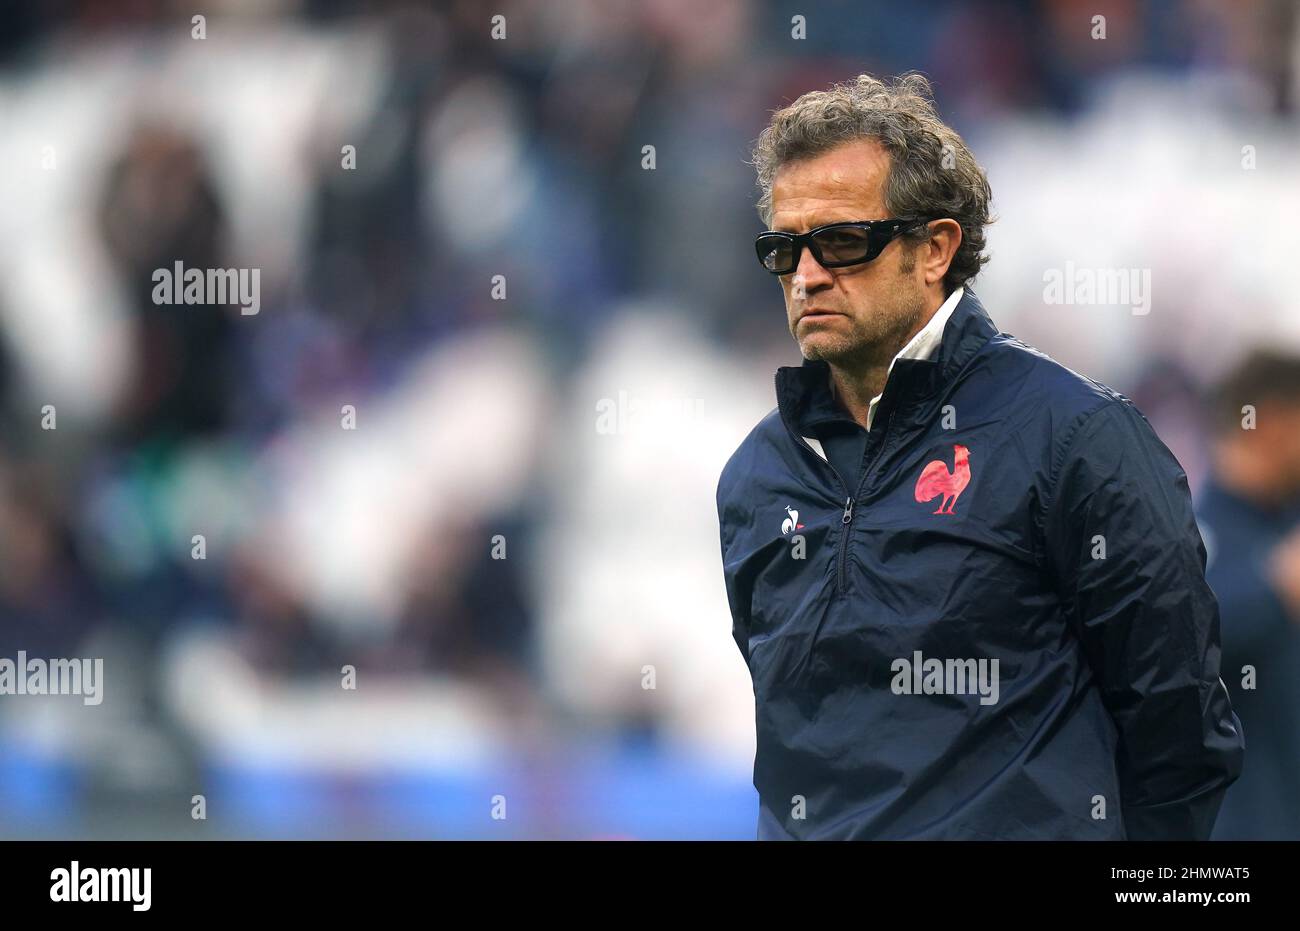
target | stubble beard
x=874, y=337
x=873, y=340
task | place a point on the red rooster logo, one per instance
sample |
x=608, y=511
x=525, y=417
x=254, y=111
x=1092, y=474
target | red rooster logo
x=936, y=480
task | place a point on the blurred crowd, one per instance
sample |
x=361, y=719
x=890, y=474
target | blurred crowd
x=477, y=246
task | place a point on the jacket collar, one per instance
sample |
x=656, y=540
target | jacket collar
x=803, y=392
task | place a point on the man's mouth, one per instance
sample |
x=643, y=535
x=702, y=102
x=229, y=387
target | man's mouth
x=819, y=314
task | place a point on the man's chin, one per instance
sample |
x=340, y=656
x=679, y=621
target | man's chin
x=840, y=353
x=823, y=347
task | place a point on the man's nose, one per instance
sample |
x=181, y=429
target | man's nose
x=810, y=271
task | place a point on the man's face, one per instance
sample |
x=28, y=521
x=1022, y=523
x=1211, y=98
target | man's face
x=862, y=314
x=1277, y=437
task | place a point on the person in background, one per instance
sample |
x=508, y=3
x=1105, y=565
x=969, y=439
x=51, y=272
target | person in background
x=1249, y=513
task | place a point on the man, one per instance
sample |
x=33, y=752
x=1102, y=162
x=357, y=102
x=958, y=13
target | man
x=1249, y=512
x=967, y=581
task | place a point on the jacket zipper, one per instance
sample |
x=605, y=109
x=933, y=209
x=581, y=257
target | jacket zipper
x=848, y=509
x=847, y=517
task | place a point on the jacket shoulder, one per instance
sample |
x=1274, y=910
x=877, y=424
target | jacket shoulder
x=1066, y=396
x=741, y=462
x=1078, y=416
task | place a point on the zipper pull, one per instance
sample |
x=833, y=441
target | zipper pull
x=848, y=510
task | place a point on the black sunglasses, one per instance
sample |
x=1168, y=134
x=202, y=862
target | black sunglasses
x=835, y=245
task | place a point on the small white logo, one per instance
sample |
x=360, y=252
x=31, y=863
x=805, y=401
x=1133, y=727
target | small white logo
x=791, y=522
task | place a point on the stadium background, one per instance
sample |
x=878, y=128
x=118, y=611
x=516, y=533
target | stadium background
x=582, y=419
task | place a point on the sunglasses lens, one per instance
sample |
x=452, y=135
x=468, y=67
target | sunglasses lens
x=844, y=245
x=776, y=254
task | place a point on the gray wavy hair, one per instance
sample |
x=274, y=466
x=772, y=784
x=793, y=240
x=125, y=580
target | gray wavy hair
x=932, y=174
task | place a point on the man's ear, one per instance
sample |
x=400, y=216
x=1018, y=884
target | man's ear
x=937, y=252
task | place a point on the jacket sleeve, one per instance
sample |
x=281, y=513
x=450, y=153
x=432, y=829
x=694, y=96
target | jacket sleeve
x=732, y=575
x=1129, y=564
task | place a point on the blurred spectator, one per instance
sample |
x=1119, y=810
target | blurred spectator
x=161, y=207
x=44, y=601
x=1249, y=512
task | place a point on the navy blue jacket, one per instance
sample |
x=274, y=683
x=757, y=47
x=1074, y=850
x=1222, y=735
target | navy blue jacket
x=1010, y=510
